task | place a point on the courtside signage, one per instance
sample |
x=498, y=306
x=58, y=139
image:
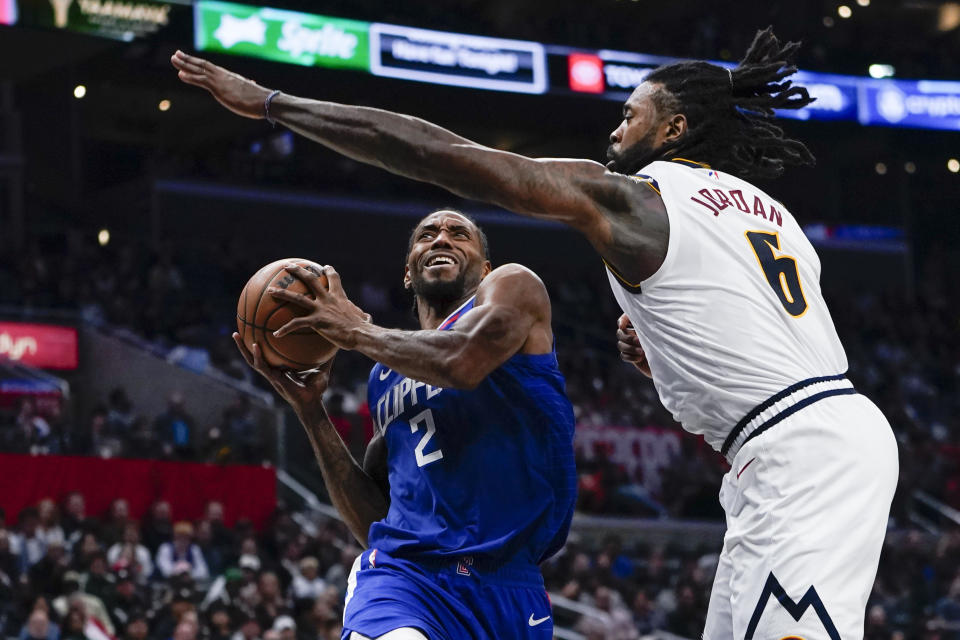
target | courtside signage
x=8, y=12
x=456, y=59
x=39, y=345
x=929, y=104
x=283, y=36
x=116, y=19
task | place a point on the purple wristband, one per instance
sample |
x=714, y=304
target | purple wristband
x=266, y=106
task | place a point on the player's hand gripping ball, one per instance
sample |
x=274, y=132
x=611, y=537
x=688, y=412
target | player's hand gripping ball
x=259, y=314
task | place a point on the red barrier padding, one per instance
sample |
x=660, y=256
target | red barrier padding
x=245, y=491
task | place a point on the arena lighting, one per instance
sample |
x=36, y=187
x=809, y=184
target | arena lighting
x=103, y=237
x=844, y=11
x=863, y=3
x=880, y=168
x=910, y=167
x=953, y=165
x=164, y=105
x=827, y=21
x=881, y=71
x=79, y=91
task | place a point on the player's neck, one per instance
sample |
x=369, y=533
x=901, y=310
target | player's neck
x=432, y=313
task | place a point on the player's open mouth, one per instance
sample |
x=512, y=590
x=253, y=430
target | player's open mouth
x=440, y=260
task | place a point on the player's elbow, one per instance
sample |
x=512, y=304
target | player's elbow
x=460, y=373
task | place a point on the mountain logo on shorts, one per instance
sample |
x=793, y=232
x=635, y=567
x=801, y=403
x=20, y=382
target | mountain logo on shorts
x=796, y=609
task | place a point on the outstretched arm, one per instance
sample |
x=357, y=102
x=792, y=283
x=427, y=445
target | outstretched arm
x=583, y=194
x=511, y=314
x=360, y=494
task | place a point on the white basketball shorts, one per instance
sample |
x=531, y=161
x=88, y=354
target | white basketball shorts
x=807, y=503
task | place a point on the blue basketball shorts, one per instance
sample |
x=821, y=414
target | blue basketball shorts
x=446, y=602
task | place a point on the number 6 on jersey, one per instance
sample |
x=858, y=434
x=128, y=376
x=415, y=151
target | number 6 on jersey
x=781, y=272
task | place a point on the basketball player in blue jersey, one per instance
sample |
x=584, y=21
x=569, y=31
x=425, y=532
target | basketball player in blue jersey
x=720, y=287
x=469, y=482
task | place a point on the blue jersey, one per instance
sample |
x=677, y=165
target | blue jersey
x=487, y=473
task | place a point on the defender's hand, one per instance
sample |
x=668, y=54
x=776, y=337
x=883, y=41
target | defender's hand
x=302, y=390
x=331, y=313
x=628, y=344
x=242, y=96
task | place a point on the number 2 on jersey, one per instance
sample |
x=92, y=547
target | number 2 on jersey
x=426, y=418
x=781, y=272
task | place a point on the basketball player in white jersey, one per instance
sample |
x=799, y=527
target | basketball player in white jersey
x=722, y=289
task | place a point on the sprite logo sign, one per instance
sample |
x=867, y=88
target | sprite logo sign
x=283, y=36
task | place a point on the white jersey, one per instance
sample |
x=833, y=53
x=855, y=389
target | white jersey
x=734, y=314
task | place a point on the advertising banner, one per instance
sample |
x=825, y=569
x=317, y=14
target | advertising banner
x=836, y=97
x=928, y=104
x=39, y=345
x=280, y=35
x=8, y=11
x=117, y=19
x=456, y=59
x=643, y=452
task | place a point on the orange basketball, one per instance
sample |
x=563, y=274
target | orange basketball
x=259, y=314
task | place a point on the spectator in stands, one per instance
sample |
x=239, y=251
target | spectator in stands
x=125, y=600
x=271, y=602
x=285, y=627
x=646, y=616
x=142, y=441
x=130, y=555
x=687, y=618
x=74, y=627
x=89, y=607
x=48, y=527
x=182, y=553
x=219, y=623
x=28, y=542
x=224, y=591
x=222, y=538
x=137, y=627
x=211, y=553
x=249, y=628
x=34, y=434
x=97, y=581
x=339, y=572
x=75, y=513
x=120, y=415
x=117, y=520
x=47, y=574
x=243, y=431
x=39, y=627
x=84, y=550
x=307, y=583
x=158, y=525
x=175, y=427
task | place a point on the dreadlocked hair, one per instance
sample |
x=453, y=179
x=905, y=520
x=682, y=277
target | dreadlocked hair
x=730, y=112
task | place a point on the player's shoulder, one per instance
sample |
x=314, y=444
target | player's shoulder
x=516, y=281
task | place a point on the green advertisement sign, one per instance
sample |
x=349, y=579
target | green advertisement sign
x=283, y=36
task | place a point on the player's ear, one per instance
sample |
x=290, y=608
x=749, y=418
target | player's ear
x=485, y=269
x=676, y=126
x=406, y=277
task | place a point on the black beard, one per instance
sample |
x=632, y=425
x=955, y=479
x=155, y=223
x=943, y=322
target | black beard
x=437, y=293
x=634, y=158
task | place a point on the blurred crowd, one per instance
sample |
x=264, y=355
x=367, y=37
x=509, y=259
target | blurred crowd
x=67, y=575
